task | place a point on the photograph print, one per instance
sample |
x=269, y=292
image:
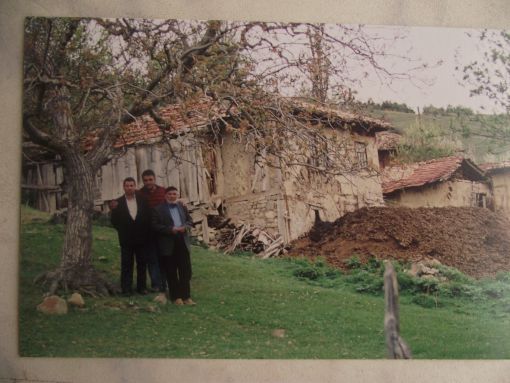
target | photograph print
x=264, y=190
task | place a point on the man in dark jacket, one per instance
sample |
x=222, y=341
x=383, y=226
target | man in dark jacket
x=131, y=218
x=171, y=221
x=154, y=195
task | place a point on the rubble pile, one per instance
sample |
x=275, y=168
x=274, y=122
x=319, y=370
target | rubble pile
x=473, y=240
x=228, y=237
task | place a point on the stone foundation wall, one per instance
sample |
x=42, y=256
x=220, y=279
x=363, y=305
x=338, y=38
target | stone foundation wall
x=259, y=210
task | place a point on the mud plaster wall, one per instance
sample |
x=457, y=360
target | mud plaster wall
x=333, y=197
x=250, y=191
x=451, y=193
x=238, y=167
x=501, y=185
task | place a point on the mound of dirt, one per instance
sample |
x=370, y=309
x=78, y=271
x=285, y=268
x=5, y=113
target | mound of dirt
x=474, y=240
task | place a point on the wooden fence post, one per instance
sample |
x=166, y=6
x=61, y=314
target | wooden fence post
x=396, y=346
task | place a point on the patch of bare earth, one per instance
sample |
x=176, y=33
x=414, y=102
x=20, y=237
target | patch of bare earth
x=474, y=240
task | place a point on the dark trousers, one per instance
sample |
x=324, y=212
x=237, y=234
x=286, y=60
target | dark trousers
x=157, y=282
x=177, y=269
x=128, y=254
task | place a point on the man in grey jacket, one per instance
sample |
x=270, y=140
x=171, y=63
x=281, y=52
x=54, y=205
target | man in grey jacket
x=171, y=221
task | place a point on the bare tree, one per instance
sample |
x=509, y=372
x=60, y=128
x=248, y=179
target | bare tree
x=83, y=80
x=86, y=78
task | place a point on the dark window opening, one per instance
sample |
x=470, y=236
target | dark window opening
x=480, y=200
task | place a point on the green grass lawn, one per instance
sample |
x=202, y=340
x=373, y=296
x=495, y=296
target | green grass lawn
x=241, y=301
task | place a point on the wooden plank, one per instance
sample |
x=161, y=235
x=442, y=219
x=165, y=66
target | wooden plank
x=396, y=346
x=142, y=161
x=42, y=198
x=282, y=224
x=53, y=188
x=205, y=231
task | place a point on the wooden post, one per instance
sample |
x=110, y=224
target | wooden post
x=396, y=346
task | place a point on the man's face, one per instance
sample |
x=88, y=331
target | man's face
x=129, y=188
x=149, y=182
x=172, y=195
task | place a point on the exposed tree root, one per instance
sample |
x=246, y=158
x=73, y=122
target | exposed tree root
x=83, y=279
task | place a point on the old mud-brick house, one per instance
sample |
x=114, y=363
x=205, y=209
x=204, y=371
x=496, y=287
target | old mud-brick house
x=499, y=174
x=310, y=162
x=448, y=181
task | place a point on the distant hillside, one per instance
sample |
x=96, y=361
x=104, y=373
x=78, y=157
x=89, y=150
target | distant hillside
x=464, y=129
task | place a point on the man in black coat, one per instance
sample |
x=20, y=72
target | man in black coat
x=171, y=221
x=131, y=218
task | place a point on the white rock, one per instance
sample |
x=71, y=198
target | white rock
x=161, y=298
x=76, y=300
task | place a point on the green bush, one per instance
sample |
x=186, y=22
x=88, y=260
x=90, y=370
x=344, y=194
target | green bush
x=460, y=290
x=503, y=276
x=366, y=281
x=407, y=282
x=453, y=274
x=495, y=289
x=375, y=265
x=308, y=273
x=353, y=262
x=314, y=270
x=424, y=300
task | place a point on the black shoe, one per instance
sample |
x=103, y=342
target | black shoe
x=126, y=293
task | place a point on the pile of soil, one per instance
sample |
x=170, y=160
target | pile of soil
x=474, y=240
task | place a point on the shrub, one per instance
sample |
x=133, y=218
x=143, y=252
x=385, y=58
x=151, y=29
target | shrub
x=460, y=290
x=407, y=282
x=453, y=274
x=424, y=300
x=314, y=270
x=375, y=265
x=503, y=276
x=353, y=262
x=495, y=289
x=307, y=272
x=366, y=281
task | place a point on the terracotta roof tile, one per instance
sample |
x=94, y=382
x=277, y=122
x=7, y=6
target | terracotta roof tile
x=418, y=174
x=193, y=115
x=180, y=117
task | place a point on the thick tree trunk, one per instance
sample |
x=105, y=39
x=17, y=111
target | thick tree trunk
x=76, y=271
x=78, y=235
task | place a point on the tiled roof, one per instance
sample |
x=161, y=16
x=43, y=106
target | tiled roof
x=197, y=114
x=370, y=124
x=491, y=167
x=418, y=174
x=387, y=140
x=180, y=117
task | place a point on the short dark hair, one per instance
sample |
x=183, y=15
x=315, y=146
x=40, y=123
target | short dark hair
x=148, y=172
x=128, y=179
x=170, y=188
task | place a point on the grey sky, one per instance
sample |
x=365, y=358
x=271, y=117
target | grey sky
x=450, y=45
